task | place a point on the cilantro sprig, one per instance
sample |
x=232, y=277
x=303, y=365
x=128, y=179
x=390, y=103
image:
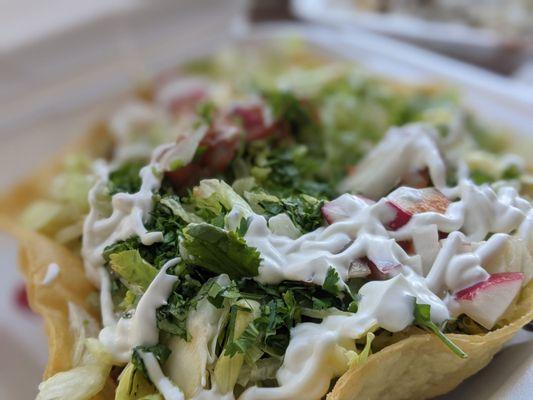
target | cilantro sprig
x=422, y=314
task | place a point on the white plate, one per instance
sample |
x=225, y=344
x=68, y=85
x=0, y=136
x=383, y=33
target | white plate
x=72, y=105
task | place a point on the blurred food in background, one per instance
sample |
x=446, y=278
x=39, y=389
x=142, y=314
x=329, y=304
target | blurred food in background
x=508, y=17
x=494, y=34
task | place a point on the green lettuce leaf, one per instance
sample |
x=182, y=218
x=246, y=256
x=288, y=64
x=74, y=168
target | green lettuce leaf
x=134, y=272
x=214, y=198
x=229, y=364
x=133, y=385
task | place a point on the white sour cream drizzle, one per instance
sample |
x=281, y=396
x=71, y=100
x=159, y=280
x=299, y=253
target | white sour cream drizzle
x=129, y=213
x=309, y=257
x=52, y=272
x=161, y=382
x=139, y=327
x=455, y=268
x=478, y=212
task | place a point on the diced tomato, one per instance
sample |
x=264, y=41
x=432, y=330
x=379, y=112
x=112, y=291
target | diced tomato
x=187, y=102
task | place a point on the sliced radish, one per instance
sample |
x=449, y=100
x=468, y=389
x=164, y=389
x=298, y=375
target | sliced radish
x=406, y=201
x=486, y=301
x=381, y=269
x=254, y=120
x=213, y=155
x=359, y=269
x=344, y=207
x=417, y=179
x=183, y=94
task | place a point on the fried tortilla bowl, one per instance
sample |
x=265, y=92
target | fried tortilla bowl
x=416, y=367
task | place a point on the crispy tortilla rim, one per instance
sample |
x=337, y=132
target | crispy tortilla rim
x=417, y=367
x=36, y=252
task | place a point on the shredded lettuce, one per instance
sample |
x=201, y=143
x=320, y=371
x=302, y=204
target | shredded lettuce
x=228, y=366
x=132, y=270
x=172, y=318
x=303, y=210
x=282, y=306
x=291, y=169
x=263, y=370
x=282, y=224
x=82, y=382
x=355, y=358
x=189, y=359
x=83, y=326
x=60, y=212
x=156, y=396
x=174, y=204
x=133, y=385
x=213, y=197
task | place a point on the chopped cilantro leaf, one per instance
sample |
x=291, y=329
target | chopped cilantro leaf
x=303, y=210
x=172, y=317
x=126, y=178
x=219, y=251
x=331, y=283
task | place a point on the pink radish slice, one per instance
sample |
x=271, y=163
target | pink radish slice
x=406, y=202
x=344, y=207
x=486, y=301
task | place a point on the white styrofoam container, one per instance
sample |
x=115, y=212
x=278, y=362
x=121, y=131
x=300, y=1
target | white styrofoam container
x=478, y=45
x=66, y=104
